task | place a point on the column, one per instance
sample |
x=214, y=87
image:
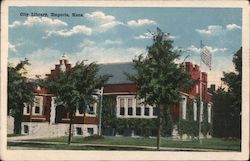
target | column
x=142, y=110
x=52, y=111
x=117, y=107
x=150, y=111
x=134, y=106
x=126, y=106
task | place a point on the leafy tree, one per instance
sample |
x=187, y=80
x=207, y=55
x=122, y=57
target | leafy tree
x=222, y=101
x=228, y=112
x=159, y=78
x=19, y=92
x=233, y=81
x=109, y=120
x=74, y=88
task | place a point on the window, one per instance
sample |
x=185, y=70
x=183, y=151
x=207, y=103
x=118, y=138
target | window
x=28, y=109
x=146, y=112
x=79, y=131
x=197, y=89
x=37, y=109
x=122, y=110
x=195, y=110
x=26, y=129
x=138, y=111
x=38, y=104
x=184, y=107
x=155, y=111
x=130, y=111
x=91, y=109
x=90, y=131
x=122, y=103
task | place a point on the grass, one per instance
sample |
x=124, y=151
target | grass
x=14, y=135
x=214, y=143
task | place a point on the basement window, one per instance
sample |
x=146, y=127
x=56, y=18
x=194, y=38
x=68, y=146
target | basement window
x=90, y=131
x=26, y=129
x=78, y=131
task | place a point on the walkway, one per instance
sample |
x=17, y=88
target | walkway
x=122, y=146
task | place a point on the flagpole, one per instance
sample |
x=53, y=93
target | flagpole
x=200, y=96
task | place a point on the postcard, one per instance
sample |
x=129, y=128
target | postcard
x=124, y=80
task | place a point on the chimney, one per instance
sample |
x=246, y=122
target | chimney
x=212, y=88
x=189, y=66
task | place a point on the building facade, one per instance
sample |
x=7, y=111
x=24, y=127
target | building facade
x=46, y=118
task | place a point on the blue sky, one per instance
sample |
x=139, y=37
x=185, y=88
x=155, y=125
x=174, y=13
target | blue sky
x=108, y=35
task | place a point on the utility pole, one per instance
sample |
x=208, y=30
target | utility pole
x=200, y=96
x=100, y=93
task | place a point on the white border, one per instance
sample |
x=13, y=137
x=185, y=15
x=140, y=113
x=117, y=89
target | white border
x=125, y=155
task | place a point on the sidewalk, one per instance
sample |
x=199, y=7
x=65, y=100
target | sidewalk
x=127, y=146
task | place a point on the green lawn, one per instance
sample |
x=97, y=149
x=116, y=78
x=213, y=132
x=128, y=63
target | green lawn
x=14, y=135
x=213, y=143
x=46, y=146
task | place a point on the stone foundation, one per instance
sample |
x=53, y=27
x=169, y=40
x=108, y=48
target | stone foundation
x=10, y=125
x=55, y=130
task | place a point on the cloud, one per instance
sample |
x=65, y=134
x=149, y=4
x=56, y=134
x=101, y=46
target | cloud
x=215, y=30
x=140, y=22
x=107, y=55
x=30, y=21
x=112, y=42
x=194, y=49
x=211, y=30
x=102, y=22
x=145, y=35
x=43, y=60
x=89, y=43
x=232, y=27
x=86, y=42
x=109, y=25
x=12, y=47
x=79, y=29
x=99, y=16
x=148, y=35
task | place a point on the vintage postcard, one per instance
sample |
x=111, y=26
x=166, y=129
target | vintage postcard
x=124, y=80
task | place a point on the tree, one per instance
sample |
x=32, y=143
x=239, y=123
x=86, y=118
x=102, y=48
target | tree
x=222, y=101
x=74, y=89
x=234, y=82
x=19, y=92
x=159, y=78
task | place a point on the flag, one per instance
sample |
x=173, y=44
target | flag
x=206, y=56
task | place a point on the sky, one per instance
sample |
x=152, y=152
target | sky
x=119, y=34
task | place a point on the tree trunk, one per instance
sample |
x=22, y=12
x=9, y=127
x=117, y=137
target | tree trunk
x=159, y=126
x=17, y=124
x=70, y=127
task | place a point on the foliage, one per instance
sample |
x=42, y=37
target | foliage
x=233, y=81
x=189, y=126
x=75, y=88
x=159, y=78
x=141, y=126
x=228, y=112
x=109, y=119
x=206, y=127
x=19, y=92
